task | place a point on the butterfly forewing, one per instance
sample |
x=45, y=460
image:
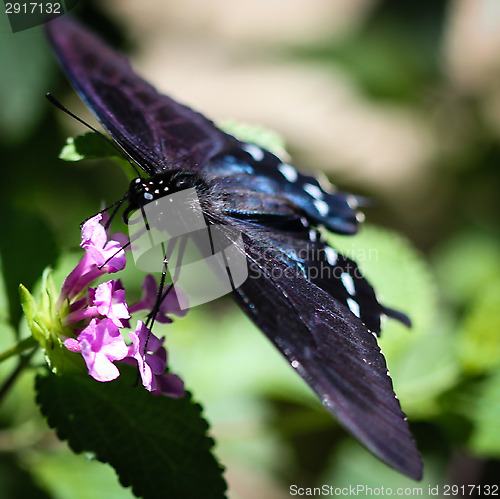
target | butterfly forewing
x=333, y=352
x=154, y=130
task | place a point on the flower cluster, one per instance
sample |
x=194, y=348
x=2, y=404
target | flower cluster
x=91, y=318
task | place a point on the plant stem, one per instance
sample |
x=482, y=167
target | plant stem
x=23, y=362
x=21, y=347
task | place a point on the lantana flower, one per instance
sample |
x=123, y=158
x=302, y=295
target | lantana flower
x=100, y=344
x=152, y=365
x=89, y=321
x=170, y=305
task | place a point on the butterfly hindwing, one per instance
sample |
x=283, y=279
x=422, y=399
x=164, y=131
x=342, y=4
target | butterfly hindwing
x=250, y=167
x=304, y=249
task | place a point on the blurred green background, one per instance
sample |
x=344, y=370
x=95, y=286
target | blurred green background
x=397, y=101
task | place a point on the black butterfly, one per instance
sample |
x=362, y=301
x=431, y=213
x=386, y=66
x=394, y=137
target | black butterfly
x=325, y=325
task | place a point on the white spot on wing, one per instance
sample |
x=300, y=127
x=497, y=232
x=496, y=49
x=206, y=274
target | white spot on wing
x=331, y=255
x=348, y=283
x=383, y=320
x=313, y=190
x=322, y=207
x=288, y=171
x=256, y=152
x=352, y=202
x=325, y=184
x=353, y=305
x=302, y=269
x=312, y=235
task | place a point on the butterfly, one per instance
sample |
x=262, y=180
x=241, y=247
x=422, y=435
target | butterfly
x=324, y=323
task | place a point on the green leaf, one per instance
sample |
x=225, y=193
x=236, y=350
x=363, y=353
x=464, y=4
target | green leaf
x=462, y=275
x=479, y=344
x=485, y=438
x=26, y=71
x=256, y=134
x=352, y=466
x=30, y=307
x=421, y=359
x=24, y=261
x=92, y=145
x=66, y=475
x=424, y=370
x=157, y=445
x=400, y=276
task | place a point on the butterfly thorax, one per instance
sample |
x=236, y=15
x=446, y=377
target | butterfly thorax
x=142, y=191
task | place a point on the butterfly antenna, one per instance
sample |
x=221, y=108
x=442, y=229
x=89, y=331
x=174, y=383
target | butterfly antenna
x=56, y=103
x=116, y=205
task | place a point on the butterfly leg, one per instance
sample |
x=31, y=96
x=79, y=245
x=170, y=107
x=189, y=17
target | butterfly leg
x=162, y=295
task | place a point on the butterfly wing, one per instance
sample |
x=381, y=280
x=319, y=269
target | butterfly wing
x=331, y=349
x=160, y=134
x=309, y=319
x=154, y=130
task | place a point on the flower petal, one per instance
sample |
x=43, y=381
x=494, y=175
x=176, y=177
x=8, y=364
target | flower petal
x=110, y=302
x=100, y=343
x=170, y=304
x=150, y=364
x=170, y=385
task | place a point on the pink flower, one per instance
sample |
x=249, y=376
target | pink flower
x=110, y=301
x=170, y=304
x=107, y=255
x=100, y=344
x=107, y=300
x=97, y=316
x=152, y=364
x=152, y=360
x=101, y=257
x=170, y=385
